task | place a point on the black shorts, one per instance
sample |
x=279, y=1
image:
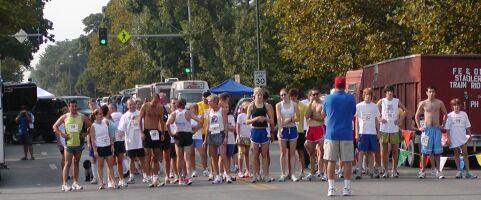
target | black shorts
x=183, y=139
x=119, y=147
x=172, y=151
x=135, y=153
x=149, y=143
x=104, y=151
x=301, y=139
x=165, y=145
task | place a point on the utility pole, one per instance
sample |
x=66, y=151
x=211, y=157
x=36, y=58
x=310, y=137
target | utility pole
x=190, y=44
x=258, y=36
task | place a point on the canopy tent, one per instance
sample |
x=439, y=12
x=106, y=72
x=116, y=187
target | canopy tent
x=231, y=87
x=44, y=94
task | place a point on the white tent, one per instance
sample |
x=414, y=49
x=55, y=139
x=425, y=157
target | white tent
x=43, y=94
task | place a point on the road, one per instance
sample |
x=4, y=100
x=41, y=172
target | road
x=40, y=179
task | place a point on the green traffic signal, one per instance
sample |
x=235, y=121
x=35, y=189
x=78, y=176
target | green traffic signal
x=187, y=70
x=103, y=42
x=103, y=36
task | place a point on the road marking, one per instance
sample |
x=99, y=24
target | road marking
x=43, y=153
x=53, y=166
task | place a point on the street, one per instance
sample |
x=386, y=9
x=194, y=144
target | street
x=40, y=179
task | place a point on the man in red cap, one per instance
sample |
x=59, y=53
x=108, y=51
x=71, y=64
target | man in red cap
x=339, y=109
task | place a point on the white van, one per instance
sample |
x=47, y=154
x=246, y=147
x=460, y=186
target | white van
x=190, y=90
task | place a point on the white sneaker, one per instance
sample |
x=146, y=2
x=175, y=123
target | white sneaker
x=254, y=179
x=294, y=178
x=331, y=192
x=145, y=180
x=65, y=188
x=206, y=172
x=440, y=175
x=346, y=192
x=422, y=175
x=217, y=180
x=123, y=184
x=76, y=186
x=131, y=180
x=309, y=177
x=211, y=177
x=194, y=173
x=324, y=177
x=282, y=178
x=94, y=181
x=228, y=179
x=112, y=186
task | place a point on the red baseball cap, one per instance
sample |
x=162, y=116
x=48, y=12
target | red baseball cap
x=339, y=80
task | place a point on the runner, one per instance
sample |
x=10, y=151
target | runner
x=183, y=140
x=301, y=139
x=173, y=154
x=216, y=137
x=102, y=142
x=113, y=118
x=287, y=116
x=197, y=142
x=457, y=125
x=259, y=114
x=74, y=141
x=129, y=128
x=165, y=146
x=61, y=142
x=389, y=130
x=243, y=140
x=367, y=114
x=314, y=135
x=230, y=149
x=93, y=159
x=204, y=112
x=431, y=136
x=339, y=109
x=151, y=116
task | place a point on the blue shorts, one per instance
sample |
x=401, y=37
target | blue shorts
x=431, y=144
x=368, y=142
x=230, y=150
x=289, y=133
x=26, y=139
x=197, y=143
x=259, y=135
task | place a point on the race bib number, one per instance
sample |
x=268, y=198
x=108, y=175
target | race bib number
x=154, y=135
x=458, y=121
x=367, y=116
x=73, y=128
x=105, y=140
x=215, y=128
x=390, y=112
x=424, y=140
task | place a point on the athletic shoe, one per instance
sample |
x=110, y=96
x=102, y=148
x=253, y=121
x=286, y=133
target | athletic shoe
x=217, y=180
x=146, y=179
x=459, y=174
x=171, y=175
x=434, y=172
x=233, y=169
x=254, y=179
x=268, y=179
x=384, y=175
x=395, y=174
x=131, y=180
x=123, y=184
x=422, y=175
x=341, y=174
x=357, y=173
x=166, y=180
x=194, y=173
x=324, y=178
x=94, y=181
x=101, y=186
x=346, y=192
x=282, y=178
x=157, y=183
x=469, y=175
x=188, y=181
x=375, y=173
x=176, y=179
x=181, y=182
x=309, y=177
x=211, y=177
x=294, y=178
x=65, y=188
x=331, y=192
x=228, y=179
x=240, y=175
x=112, y=186
x=440, y=175
x=76, y=186
x=206, y=172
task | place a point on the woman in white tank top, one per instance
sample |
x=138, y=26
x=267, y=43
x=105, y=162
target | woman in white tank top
x=102, y=145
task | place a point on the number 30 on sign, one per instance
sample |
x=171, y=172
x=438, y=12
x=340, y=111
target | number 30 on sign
x=260, y=78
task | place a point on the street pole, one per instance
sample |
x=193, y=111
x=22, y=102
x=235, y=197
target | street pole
x=258, y=36
x=2, y=130
x=190, y=44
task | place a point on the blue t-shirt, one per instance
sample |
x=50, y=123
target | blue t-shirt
x=339, y=107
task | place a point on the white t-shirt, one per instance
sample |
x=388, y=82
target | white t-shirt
x=62, y=129
x=306, y=102
x=231, y=136
x=244, y=129
x=457, y=123
x=389, y=112
x=129, y=123
x=102, y=137
x=197, y=135
x=366, y=114
x=30, y=125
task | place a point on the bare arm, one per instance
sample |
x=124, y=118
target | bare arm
x=297, y=115
x=445, y=113
x=92, y=137
x=250, y=120
x=280, y=121
x=270, y=113
x=419, y=111
x=379, y=106
x=59, y=121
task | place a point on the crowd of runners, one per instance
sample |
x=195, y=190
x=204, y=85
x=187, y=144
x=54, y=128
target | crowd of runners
x=339, y=137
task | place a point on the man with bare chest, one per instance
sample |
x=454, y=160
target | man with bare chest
x=150, y=123
x=431, y=136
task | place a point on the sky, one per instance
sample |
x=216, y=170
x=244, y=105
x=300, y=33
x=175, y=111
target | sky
x=67, y=16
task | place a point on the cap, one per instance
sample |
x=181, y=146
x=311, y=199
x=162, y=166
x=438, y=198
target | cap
x=206, y=94
x=339, y=80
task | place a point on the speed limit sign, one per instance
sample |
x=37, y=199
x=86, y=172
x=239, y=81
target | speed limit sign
x=260, y=78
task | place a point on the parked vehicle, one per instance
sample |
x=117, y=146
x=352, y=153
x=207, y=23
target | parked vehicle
x=191, y=91
x=46, y=112
x=454, y=76
x=82, y=103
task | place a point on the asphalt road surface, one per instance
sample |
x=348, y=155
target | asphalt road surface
x=40, y=179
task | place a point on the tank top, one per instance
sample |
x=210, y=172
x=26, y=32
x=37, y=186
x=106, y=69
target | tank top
x=181, y=122
x=288, y=113
x=102, y=138
x=198, y=134
x=73, y=127
x=259, y=112
x=389, y=112
x=216, y=122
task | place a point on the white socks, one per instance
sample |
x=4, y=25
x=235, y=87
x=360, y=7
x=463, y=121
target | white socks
x=331, y=183
x=94, y=170
x=347, y=184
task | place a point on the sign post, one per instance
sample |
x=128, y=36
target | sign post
x=260, y=78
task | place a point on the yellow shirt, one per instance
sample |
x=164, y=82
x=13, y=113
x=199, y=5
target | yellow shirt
x=203, y=112
x=302, y=113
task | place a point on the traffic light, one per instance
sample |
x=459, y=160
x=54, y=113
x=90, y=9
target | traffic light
x=103, y=36
x=187, y=68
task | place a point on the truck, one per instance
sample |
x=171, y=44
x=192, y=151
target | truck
x=453, y=76
x=190, y=90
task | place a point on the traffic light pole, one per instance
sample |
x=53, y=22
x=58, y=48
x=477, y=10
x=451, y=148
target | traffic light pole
x=190, y=45
x=258, y=36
